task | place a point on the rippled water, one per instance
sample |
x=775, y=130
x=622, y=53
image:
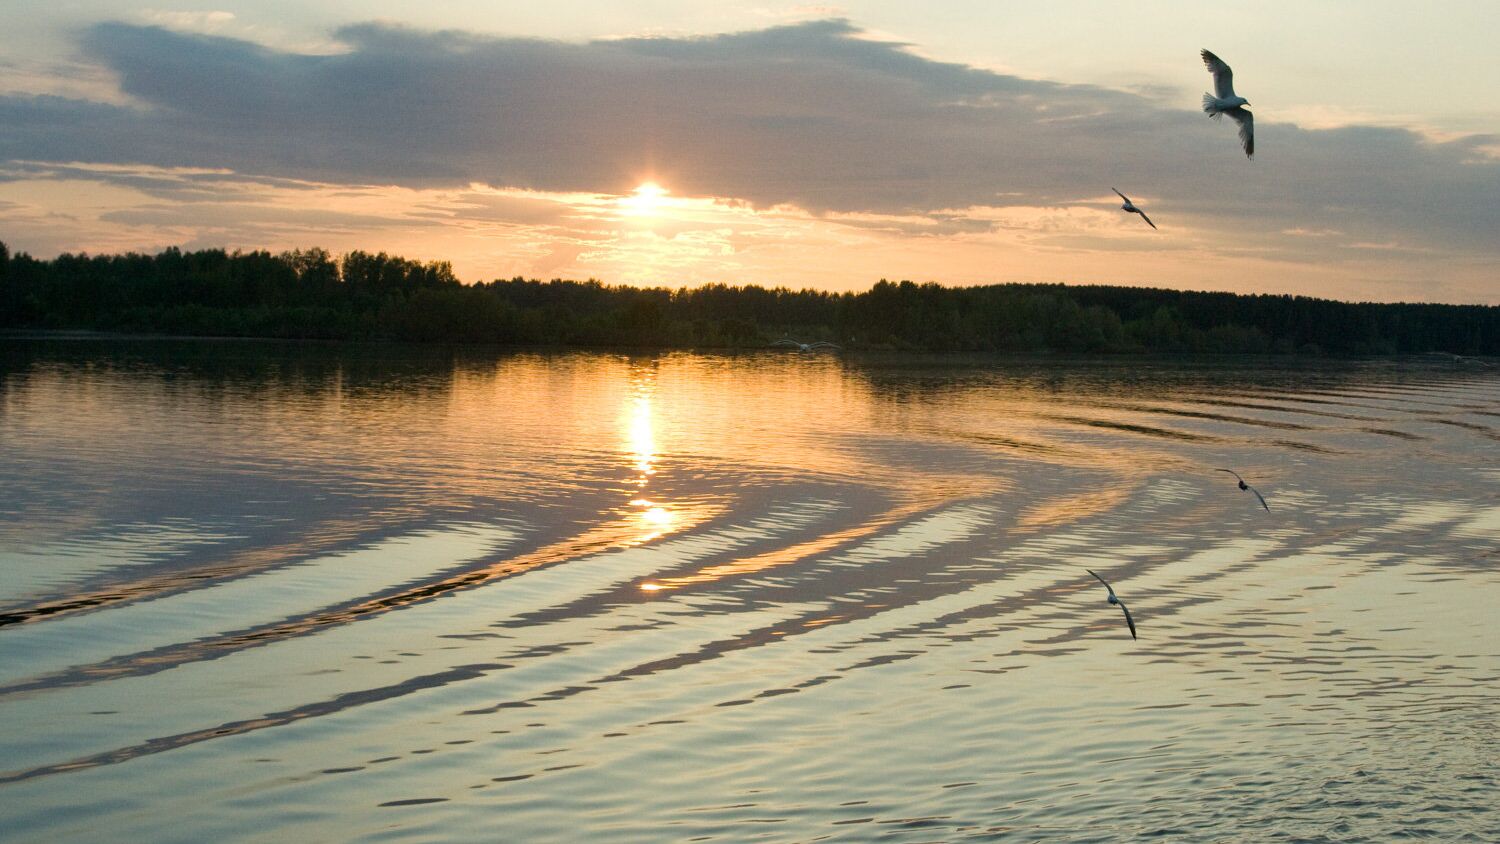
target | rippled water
x=302, y=593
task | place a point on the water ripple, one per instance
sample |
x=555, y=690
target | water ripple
x=626, y=596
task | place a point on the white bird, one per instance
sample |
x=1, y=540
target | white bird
x=1115, y=599
x=1245, y=486
x=805, y=347
x=1225, y=101
x=1459, y=360
x=1130, y=206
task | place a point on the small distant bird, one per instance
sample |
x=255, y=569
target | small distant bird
x=1459, y=360
x=1245, y=486
x=1130, y=206
x=1115, y=599
x=1225, y=101
x=805, y=347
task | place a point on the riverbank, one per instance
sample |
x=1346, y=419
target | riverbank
x=312, y=295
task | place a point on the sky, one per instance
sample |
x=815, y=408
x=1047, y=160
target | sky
x=805, y=145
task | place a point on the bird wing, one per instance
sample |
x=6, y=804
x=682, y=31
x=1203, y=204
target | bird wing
x=1102, y=580
x=1247, y=129
x=1232, y=472
x=1128, y=620
x=1122, y=196
x=1259, y=496
x=1223, y=76
x=824, y=344
x=785, y=342
x=1144, y=217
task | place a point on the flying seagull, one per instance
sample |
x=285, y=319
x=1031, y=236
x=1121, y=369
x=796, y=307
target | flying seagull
x=1245, y=486
x=1458, y=360
x=1225, y=101
x=1114, y=599
x=805, y=347
x=1130, y=206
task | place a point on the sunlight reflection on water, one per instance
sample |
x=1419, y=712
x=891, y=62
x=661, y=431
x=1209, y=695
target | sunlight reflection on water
x=340, y=592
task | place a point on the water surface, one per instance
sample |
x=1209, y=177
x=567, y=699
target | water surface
x=256, y=591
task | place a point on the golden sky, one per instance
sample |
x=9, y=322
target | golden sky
x=800, y=146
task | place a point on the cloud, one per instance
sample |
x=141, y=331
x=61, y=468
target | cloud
x=818, y=117
x=191, y=21
x=75, y=80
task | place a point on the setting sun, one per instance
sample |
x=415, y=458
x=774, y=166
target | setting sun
x=734, y=420
x=647, y=199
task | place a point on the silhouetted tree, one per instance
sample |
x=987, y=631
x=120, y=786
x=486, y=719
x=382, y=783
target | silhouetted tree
x=310, y=293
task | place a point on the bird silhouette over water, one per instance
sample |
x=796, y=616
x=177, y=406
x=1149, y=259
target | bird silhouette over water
x=1225, y=101
x=805, y=347
x=1459, y=360
x=1245, y=486
x=1130, y=206
x=1115, y=599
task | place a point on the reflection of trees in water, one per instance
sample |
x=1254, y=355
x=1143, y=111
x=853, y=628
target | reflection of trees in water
x=901, y=376
x=315, y=368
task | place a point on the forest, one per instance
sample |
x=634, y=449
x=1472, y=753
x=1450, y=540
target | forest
x=313, y=294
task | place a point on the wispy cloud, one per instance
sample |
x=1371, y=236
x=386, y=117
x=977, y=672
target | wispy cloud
x=188, y=21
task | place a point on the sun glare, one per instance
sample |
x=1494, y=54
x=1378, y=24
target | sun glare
x=648, y=197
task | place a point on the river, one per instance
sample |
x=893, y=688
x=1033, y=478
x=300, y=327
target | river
x=273, y=592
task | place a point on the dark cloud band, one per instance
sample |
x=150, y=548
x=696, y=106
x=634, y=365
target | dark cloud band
x=814, y=114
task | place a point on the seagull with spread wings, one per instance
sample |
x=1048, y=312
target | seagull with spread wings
x=805, y=347
x=1244, y=486
x=1130, y=206
x=1115, y=599
x=1225, y=101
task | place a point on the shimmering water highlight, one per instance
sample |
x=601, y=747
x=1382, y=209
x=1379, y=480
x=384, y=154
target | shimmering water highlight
x=276, y=592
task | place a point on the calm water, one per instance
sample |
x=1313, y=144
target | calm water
x=264, y=592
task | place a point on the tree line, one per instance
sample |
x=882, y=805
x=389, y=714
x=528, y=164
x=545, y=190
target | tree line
x=314, y=294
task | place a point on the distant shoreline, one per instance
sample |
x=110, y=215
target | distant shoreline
x=313, y=295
